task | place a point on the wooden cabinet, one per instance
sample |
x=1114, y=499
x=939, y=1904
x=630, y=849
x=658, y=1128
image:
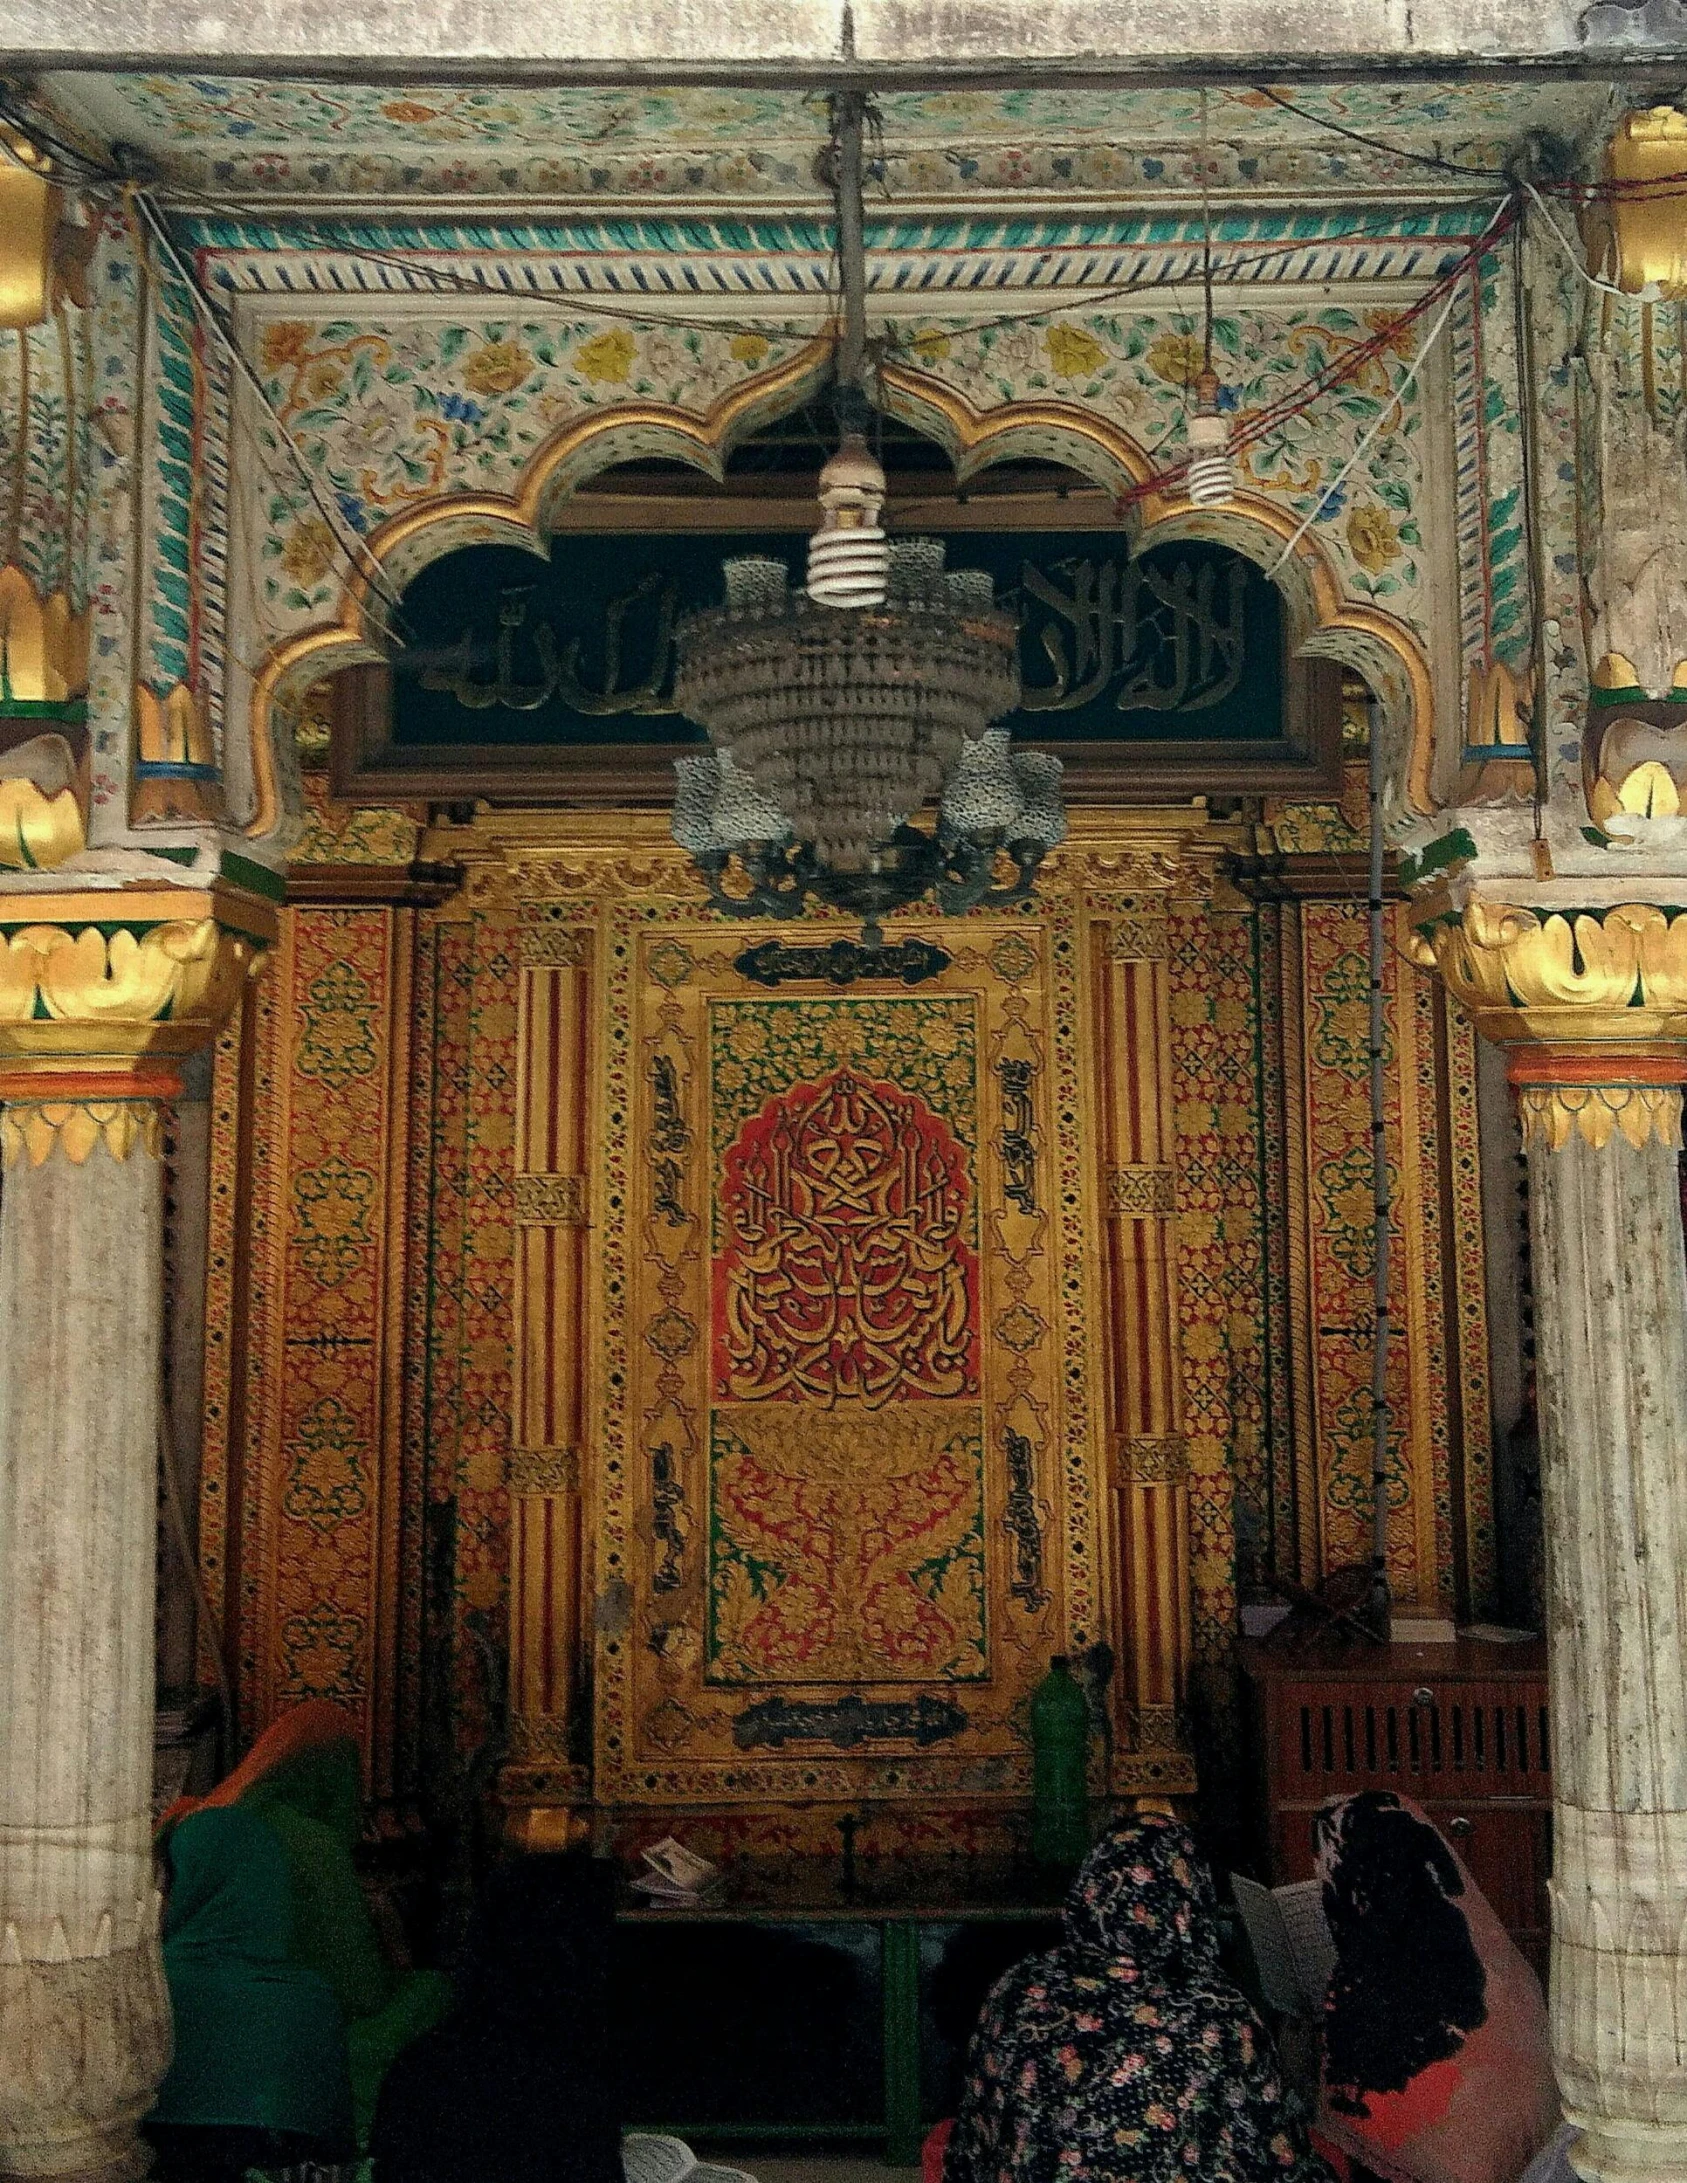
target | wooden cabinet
x=1461, y=1729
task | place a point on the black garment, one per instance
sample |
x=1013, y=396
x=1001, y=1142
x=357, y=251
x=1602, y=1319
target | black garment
x=520, y=2080
x=209, y=2153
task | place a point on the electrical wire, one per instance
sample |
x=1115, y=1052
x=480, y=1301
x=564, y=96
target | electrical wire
x=1418, y=358
x=1376, y=143
x=1603, y=287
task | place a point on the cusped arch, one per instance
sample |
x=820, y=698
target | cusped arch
x=412, y=540
x=1325, y=621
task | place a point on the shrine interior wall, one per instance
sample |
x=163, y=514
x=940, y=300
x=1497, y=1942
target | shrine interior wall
x=425, y=1494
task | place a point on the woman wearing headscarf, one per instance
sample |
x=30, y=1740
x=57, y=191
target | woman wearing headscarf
x=1125, y=2055
x=1436, y=2060
x=259, y=2076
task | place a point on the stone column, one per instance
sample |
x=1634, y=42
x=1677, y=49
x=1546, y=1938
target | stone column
x=1611, y=1319
x=1594, y=1009
x=84, y=2018
x=93, y=1020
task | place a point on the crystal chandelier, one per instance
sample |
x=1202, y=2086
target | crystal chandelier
x=836, y=713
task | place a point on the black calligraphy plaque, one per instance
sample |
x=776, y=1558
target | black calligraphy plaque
x=843, y=962
x=847, y=1723
x=1148, y=671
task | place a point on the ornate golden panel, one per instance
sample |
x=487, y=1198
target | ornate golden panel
x=844, y=1484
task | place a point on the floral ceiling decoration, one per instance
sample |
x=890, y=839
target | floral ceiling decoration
x=254, y=138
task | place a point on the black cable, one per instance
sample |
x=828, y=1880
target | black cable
x=1376, y=143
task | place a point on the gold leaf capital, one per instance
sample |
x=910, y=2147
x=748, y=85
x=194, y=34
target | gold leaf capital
x=1614, y=977
x=160, y=983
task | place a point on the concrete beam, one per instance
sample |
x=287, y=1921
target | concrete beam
x=916, y=40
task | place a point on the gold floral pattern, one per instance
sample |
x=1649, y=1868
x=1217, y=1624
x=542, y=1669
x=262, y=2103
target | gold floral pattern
x=1073, y=353
x=498, y=367
x=1372, y=537
x=607, y=357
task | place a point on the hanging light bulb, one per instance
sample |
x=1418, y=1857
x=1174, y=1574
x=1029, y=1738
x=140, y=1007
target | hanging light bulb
x=1211, y=476
x=849, y=555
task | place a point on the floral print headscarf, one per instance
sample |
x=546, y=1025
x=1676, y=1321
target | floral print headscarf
x=1125, y=2055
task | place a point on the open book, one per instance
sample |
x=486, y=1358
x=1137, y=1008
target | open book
x=671, y=2160
x=1290, y=1940
x=674, y=1874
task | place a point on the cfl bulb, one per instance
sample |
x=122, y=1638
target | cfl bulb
x=849, y=555
x=1210, y=479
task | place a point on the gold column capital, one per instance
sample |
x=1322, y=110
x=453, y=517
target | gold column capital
x=1608, y=980
x=552, y=1201
x=1638, y=235
x=96, y=980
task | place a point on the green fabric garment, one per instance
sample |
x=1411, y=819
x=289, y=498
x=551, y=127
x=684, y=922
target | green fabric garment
x=259, y=2040
x=419, y=2002
x=311, y=1804
x=333, y=1933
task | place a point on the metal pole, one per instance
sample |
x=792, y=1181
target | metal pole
x=1380, y=1603
x=848, y=117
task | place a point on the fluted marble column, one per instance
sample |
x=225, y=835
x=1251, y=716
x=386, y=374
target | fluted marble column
x=84, y=2017
x=1591, y=1004
x=96, y=1013
x=1611, y=1319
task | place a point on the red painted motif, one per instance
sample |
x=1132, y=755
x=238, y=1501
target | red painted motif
x=845, y=1269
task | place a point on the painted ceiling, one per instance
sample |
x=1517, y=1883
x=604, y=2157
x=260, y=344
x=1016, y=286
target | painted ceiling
x=242, y=138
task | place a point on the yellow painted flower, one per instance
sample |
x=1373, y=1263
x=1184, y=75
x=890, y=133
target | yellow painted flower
x=408, y=110
x=322, y=378
x=750, y=349
x=286, y=342
x=497, y=367
x=1372, y=538
x=309, y=552
x=607, y=357
x=938, y=1036
x=1176, y=358
x=844, y=1038
x=1073, y=353
x=930, y=346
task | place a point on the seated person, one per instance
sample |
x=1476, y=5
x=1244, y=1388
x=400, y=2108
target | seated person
x=519, y=2083
x=1436, y=2067
x=259, y=2076
x=303, y=1780
x=1125, y=2055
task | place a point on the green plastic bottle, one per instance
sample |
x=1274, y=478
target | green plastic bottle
x=1060, y=1734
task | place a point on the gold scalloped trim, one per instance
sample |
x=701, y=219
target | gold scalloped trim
x=75, y=1126
x=1595, y=1112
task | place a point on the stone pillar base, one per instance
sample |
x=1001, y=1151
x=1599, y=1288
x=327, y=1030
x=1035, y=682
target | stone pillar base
x=82, y=2042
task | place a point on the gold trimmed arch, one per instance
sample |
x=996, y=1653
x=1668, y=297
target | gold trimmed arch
x=1324, y=620
x=408, y=542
